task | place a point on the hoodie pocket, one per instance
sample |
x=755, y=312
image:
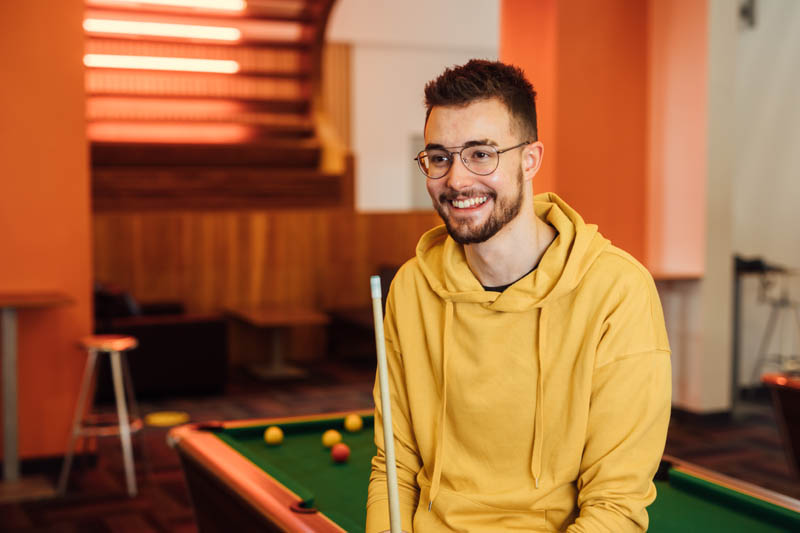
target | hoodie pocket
x=458, y=513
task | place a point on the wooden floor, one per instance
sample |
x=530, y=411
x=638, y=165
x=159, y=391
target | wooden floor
x=747, y=447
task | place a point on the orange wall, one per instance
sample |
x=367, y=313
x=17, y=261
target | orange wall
x=532, y=46
x=592, y=56
x=622, y=105
x=44, y=207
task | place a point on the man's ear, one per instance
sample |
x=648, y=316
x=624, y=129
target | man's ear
x=532, y=155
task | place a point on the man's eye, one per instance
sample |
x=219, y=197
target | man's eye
x=481, y=154
x=439, y=159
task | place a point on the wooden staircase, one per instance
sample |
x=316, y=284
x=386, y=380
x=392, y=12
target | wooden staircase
x=172, y=139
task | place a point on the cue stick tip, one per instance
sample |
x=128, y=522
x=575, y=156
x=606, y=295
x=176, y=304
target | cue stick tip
x=375, y=285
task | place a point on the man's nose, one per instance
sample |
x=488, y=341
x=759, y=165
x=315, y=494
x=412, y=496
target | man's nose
x=459, y=176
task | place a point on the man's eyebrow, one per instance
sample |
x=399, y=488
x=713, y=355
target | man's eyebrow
x=434, y=146
x=478, y=142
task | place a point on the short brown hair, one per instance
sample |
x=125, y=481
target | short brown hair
x=480, y=80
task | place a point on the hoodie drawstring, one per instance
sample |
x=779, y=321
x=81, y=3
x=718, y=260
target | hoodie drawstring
x=437, y=461
x=538, y=416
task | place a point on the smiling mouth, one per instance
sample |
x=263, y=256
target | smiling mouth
x=465, y=203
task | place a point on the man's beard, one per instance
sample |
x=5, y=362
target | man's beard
x=503, y=212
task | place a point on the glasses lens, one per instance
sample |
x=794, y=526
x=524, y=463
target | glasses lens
x=481, y=159
x=434, y=163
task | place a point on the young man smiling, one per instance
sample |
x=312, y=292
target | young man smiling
x=529, y=363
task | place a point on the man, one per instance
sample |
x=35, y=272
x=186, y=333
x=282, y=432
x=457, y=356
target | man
x=528, y=359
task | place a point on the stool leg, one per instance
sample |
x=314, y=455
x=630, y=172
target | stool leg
x=124, y=424
x=133, y=407
x=766, y=340
x=80, y=409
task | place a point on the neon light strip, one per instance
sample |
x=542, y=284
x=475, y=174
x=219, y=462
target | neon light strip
x=161, y=63
x=168, y=133
x=161, y=29
x=217, y=5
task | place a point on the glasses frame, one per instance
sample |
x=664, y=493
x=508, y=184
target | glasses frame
x=452, y=154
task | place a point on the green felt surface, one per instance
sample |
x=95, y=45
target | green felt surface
x=305, y=466
x=684, y=504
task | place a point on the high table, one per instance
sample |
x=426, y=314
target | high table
x=9, y=304
x=250, y=328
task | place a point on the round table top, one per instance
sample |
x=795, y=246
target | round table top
x=781, y=379
x=31, y=299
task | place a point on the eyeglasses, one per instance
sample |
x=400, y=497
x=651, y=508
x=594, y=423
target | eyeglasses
x=480, y=159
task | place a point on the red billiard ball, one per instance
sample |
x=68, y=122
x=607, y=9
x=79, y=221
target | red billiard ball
x=340, y=452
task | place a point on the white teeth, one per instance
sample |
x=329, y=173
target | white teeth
x=469, y=202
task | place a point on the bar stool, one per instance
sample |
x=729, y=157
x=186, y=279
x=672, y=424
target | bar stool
x=92, y=424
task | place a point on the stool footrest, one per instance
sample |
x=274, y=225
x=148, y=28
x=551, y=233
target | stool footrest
x=95, y=426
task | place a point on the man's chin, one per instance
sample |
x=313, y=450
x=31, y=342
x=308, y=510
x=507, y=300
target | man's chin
x=465, y=232
x=467, y=235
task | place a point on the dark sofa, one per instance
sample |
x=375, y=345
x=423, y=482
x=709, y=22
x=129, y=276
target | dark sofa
x=179, y=354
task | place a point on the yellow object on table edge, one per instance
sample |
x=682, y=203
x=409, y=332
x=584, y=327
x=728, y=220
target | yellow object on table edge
x=166, y=418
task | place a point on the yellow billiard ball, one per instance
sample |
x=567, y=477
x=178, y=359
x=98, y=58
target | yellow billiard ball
x=353, y=423
x=273, y=435
x=331, y=437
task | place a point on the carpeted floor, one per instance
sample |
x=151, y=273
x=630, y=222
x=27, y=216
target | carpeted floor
x=747, y=447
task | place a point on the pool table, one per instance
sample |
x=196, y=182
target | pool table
x=238, y=483
x=785, y=389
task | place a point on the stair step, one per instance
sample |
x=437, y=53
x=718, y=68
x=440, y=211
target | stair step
x=215, y=188
x=298, y=10
x=274, y=51
x=288, y=154
x=254, y=105
x=198, y=85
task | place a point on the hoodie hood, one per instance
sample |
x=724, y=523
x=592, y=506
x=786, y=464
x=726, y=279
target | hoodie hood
x=562, y=267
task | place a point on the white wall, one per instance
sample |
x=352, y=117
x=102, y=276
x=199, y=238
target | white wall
x=710, y=375
x=397, y=48
x=766, y=176
x=680, y=300
x=753, y=193
x=698, y=313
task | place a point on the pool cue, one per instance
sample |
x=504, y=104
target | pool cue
x=386, y=403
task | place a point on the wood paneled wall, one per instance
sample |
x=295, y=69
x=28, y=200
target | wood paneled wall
x=336, y=91
x=212, y=259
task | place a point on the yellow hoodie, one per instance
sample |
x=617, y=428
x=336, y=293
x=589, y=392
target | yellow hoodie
x=541, y=408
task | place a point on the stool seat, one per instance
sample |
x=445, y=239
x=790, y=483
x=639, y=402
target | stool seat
x=109, y=343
